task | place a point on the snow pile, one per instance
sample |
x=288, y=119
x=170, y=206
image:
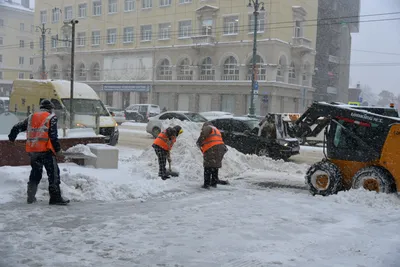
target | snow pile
x=81, y=149
x=188, y=159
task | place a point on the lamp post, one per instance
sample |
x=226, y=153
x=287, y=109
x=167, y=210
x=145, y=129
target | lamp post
x=69, y=28
x=254, y=85
x=43, y=30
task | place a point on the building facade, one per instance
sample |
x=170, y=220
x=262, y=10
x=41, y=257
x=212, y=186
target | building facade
x=185, y=54
x=16, y=43
x=337, y=19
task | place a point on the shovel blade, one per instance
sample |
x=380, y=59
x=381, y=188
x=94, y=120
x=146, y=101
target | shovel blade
x=173, y=174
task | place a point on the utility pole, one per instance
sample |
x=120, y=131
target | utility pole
x=254, y=83
x=70, y=26
x=43, y=30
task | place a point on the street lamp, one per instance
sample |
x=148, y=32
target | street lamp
x=254, y=85
x=69, y=29
x=43, y=30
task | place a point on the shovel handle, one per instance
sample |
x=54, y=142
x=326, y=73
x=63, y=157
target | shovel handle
x=169, y=165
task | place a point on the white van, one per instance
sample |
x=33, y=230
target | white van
x=27, y=94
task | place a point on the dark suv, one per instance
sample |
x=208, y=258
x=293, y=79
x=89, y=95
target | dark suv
x=242, y=133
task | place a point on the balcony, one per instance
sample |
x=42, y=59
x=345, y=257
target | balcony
x=209, y=77
x=301, y=45
x=333, y=59
x=203, y=40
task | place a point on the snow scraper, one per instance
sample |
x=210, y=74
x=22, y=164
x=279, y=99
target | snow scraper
x=170, y=172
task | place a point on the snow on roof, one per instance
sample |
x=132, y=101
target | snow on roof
x=15, y=6
x=4, y=98
x=81, y=90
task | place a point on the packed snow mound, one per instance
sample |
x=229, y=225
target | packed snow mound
x=81, y=149
x=188, y=159
x=83, y=184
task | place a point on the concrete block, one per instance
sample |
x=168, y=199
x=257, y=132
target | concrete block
x=107, y=156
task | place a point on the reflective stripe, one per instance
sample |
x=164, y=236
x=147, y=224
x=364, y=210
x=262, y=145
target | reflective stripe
x=38, y=139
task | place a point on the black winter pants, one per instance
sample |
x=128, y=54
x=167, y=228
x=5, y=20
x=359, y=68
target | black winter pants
x=162, y=156
x=49, y=161
x=210, y=176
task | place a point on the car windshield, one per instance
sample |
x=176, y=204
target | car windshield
x=86, y=106
x=252, y=123
x=195, y=117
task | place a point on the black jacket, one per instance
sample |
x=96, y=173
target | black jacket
x=23, y=125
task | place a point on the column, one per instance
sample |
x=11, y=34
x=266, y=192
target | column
x=243, y=69
x=216, y=102
x=218, y=73
x=117, y=100
x=174, y=74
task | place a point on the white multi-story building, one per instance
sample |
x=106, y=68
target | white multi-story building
x=186, y=54
x=16, y=43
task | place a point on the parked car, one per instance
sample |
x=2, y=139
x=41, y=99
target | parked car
x=154, y=125
x=117, y=113
x=4, y=103
x=141, y=112
x=242, y=133
x=211, y=115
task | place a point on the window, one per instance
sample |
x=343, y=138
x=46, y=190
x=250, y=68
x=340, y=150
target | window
x=96, y=71
x=1, y=22
x=147, y=3
x=260, y=22
x=128, y=35
x=21, y=43
x=1, y=58
x=82, y=10
x=292, y=73
x=185, y=28
x=96, y=8
x=112, y=6
x=68, y=12
x=54, y=42
x=207, y=71
x=184, y=71
x=55, y=15
x=31, y=45
x=231, y=69
x=21, y=75
x=164, y=31
x=66, y=43
x=82, y=71
x=43, y=16
x=145, y=33
x=22, y=27
x=165, y=2
x=297, y=29
x=129, y=5
x=164, y=70
x=31, y=61
x=185, y=1
x=260, y=71
x=111, y=36
x=30, y=76
x=21, y=61
x=231, y=25
x=206, y=27
x=81, y=39
x=95, y=38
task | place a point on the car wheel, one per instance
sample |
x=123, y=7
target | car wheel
x=374, y=179
x=324, y=178
x=155, y=132
x=262, y=151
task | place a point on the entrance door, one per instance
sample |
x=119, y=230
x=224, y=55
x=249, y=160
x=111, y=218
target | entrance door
x=183, y=102
x=204, y=103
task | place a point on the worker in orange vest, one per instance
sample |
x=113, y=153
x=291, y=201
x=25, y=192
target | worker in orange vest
x=213, y=148
x=162, y=146
x=43, y=147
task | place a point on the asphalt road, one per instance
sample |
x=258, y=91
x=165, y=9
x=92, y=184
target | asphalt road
x=137, y=138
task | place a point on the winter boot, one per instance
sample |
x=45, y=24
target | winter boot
x=205, y=186
x=55, y=196
x=165, y=177
x=31, y=192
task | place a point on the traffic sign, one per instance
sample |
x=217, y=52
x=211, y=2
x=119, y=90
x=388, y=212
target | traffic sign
x=255, y=85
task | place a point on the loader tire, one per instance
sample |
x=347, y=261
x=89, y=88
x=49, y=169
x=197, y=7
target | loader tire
x=374, y=179
x=324, y=178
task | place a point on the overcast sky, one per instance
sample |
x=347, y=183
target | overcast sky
x=383, y=36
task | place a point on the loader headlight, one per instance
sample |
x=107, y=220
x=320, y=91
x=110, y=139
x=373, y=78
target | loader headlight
x=80, y=125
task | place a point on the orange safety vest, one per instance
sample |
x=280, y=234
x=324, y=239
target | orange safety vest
x=215, y=138
x=163, y=141
x=37, y=134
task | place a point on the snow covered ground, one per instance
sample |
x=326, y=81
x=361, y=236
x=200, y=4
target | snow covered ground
x=130, y=217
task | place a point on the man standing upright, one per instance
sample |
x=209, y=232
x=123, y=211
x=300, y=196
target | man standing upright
x=213, y=147
x=43, y=146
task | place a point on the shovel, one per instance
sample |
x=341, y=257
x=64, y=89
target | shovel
x=170, y=172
